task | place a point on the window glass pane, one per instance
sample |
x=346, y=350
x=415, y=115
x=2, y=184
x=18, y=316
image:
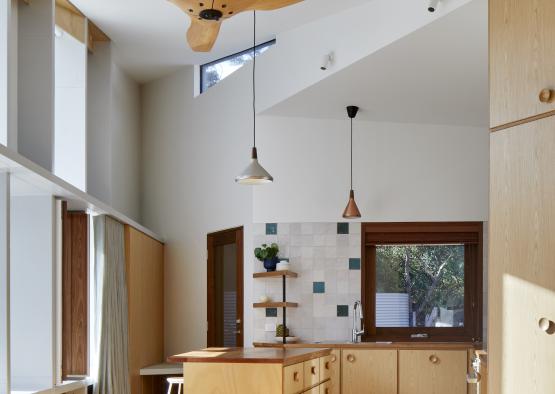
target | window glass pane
x=214, y=72
x=420, y=286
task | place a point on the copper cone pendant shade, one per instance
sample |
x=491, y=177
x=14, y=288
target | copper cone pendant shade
x=351, y=211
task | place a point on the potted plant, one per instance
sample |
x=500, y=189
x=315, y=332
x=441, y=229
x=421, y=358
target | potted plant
x=268, y=255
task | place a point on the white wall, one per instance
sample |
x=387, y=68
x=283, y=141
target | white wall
x=70, y=90
x=126, y=143
x=4, y=27
x=402, y=172
x=192, y=151
x=4, y=284
x=32, y=292
x=36, y=81
x=113, y=133
x=98, y=122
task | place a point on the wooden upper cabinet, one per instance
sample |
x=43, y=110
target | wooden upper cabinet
x=432, y=371
x=365, y=371
x=522, y=59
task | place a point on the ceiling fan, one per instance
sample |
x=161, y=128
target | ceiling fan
x=207, y=16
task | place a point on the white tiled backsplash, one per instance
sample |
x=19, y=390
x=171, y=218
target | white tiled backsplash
x=327, y=258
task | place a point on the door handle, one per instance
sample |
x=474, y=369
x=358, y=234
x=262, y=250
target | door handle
x=547, y=326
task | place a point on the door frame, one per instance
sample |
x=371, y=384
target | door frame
x=225, y=237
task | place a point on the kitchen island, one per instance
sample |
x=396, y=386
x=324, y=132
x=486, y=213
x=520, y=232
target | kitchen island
x=256, y=371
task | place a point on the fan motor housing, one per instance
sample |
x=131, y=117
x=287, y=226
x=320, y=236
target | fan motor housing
x=211, y=14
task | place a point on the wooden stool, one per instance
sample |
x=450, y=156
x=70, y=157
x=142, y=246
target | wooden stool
x=172, y=381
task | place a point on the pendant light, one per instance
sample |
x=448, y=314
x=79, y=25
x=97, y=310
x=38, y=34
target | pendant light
x=351, y=211
x=254, y=174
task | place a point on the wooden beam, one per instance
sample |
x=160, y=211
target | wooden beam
x=71, y=22
x=95, y=35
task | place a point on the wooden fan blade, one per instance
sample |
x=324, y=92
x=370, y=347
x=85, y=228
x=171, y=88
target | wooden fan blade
x=266, y=5
x=203, y=34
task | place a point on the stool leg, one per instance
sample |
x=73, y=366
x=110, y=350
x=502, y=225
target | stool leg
x=179, y=388
x=170, y=385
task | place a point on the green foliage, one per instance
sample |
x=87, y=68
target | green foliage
x=265, y=252
x=432, y=275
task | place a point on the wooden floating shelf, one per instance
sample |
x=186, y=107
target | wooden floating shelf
x=275, y=305
x=275, y=274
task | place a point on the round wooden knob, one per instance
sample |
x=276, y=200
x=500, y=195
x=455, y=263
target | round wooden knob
x=296, y=376
x=350, y=358
x=333, y=358
x=313, y=370
x=434, y=359
x=327, y=365
x=326, y=391
x=546, y=95
x=546, y=325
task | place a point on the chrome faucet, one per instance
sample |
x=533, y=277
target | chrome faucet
x=357, y=333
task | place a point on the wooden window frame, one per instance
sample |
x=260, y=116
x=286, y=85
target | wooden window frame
x=468, y=233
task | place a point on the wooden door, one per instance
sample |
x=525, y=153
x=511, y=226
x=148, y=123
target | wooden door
x=225, y=288
x=522, y=58
x=366, y=371
x=144, y=260
x=521, y=356
x=432, y=372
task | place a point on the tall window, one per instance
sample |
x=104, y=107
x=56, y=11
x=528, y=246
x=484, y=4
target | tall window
x=423, y=281
x=214, y=72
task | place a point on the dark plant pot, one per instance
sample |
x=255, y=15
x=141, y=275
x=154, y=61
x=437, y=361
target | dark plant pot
x=270, y=264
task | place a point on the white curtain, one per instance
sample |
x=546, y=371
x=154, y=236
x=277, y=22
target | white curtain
x=111, y=305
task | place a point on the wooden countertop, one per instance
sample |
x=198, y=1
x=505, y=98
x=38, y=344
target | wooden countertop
x=251, y=355
x=372, y=345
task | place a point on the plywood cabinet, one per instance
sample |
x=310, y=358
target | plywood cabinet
x=144, y=259
x=521, y=351
x=432, y=371
x=522, y=59
x=364, y=370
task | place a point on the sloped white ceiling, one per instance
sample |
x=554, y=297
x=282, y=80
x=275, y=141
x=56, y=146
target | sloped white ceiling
x=150, y=34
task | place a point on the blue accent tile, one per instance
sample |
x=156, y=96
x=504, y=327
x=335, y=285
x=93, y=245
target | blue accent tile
x=342, y=228
x=354, y=264
x=271, y=312
x=342, y=310
x=271, y=228
x=318, y=287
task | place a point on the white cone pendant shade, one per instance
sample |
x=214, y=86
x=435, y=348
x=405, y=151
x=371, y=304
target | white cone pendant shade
x=254, y=174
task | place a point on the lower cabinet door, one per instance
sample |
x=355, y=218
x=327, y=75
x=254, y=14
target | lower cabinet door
x=432, y=372
x=335, y=383
x=521, y=272
x=326, y=388
x=293, y=379
x=369, y=371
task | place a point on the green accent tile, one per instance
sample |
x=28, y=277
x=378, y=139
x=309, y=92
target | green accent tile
x=318, y=287
x=342, y=310
x=354, y=264
x=271, y=312
x=271, y=228
x=342, y=228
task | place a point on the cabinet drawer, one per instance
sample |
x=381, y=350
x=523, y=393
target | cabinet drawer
x=311, y=372
x=293, y=379
x=326, y=366
x=432, y=372
x=326, y=388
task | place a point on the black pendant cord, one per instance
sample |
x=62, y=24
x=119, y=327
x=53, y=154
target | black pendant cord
x=254, y=78
x=351, y=153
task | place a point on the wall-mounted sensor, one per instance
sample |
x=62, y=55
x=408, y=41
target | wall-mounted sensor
x=433, y=5
x=327, y=61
